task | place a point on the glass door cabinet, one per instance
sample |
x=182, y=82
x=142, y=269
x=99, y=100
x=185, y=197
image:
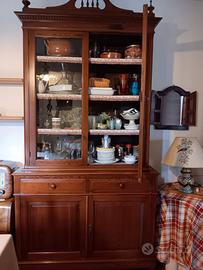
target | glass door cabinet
x=86, y=196
x=86, y=97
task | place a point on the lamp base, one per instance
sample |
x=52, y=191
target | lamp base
x=187, y=189
x=186, y=180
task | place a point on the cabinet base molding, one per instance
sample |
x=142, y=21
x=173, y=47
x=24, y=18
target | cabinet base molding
x=90, y=265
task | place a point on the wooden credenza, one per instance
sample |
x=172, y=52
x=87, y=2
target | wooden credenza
x=86, y=220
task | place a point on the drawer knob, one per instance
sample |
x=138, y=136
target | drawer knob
x=122, y=185
x=53, y=186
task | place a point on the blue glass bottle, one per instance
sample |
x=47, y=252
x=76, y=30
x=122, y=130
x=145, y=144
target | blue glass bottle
x=134, y=86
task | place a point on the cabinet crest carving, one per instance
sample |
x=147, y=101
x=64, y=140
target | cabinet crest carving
x=82, y=5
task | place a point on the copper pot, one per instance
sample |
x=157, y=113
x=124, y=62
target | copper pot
x=58, y=47
x=111, y=54
x=133, y=51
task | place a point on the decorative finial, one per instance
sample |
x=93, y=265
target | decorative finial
x=26, y=3
x=151, y=8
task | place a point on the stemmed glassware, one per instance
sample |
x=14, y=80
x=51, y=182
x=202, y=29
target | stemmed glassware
x=91, y=152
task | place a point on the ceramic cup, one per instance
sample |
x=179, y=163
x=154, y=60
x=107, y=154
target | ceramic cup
x=118, y=123
x=56, y=122
x=110, y=123
x=129, y=159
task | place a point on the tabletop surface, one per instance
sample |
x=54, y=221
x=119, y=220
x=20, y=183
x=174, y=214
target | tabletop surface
x=4, y=240
x=180, y=227
x=8, y=260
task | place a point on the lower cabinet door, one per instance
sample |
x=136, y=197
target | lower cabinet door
x=119, y=225
x=51, y=227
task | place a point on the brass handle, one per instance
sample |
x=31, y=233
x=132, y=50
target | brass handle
x=53, y=186
x=122, y=185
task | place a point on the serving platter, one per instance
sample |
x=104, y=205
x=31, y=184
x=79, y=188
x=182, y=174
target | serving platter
x=107, y=161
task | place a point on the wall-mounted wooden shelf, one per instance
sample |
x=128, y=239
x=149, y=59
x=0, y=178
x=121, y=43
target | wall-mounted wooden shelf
x=11, y=117
x=11, y=81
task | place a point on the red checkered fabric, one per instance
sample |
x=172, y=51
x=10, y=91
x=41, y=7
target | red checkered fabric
x=180, y=228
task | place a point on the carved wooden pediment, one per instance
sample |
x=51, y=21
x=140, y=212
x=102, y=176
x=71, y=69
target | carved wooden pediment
x=91, y=12
x=85, y=6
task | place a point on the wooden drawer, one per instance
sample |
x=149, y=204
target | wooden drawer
x=52, y=186
x=116, y=185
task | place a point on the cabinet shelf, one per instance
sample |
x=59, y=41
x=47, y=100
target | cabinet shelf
x=111, y=61
x=114, y=98
x=59, y=96
x=11, y=117
x=65, y=131
x=48, y=96
x=114, y=132
x=96, y=61
x=59, y=59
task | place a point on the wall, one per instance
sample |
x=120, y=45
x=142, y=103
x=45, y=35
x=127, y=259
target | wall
x=178, y=58
x=11, y=97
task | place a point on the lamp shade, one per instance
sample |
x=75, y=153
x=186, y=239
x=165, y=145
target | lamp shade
x=184, y=152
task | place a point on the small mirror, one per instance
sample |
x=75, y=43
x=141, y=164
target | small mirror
x=173, y=108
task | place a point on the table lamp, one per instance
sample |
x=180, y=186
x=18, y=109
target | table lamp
x=185, y=153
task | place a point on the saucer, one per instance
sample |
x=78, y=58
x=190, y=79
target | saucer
x=106, y=161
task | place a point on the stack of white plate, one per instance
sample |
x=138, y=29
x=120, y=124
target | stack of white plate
x=106, y=91
x=60, y=87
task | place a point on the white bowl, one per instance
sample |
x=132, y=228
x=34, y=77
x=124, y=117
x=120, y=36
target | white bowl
x=129, y=159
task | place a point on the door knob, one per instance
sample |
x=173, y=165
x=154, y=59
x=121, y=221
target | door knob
x=122, y=185
x=53, y=186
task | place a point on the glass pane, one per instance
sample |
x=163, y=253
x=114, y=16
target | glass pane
x=110, y=139
x=114, y=87
x=58, y=147
x=58, y=103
